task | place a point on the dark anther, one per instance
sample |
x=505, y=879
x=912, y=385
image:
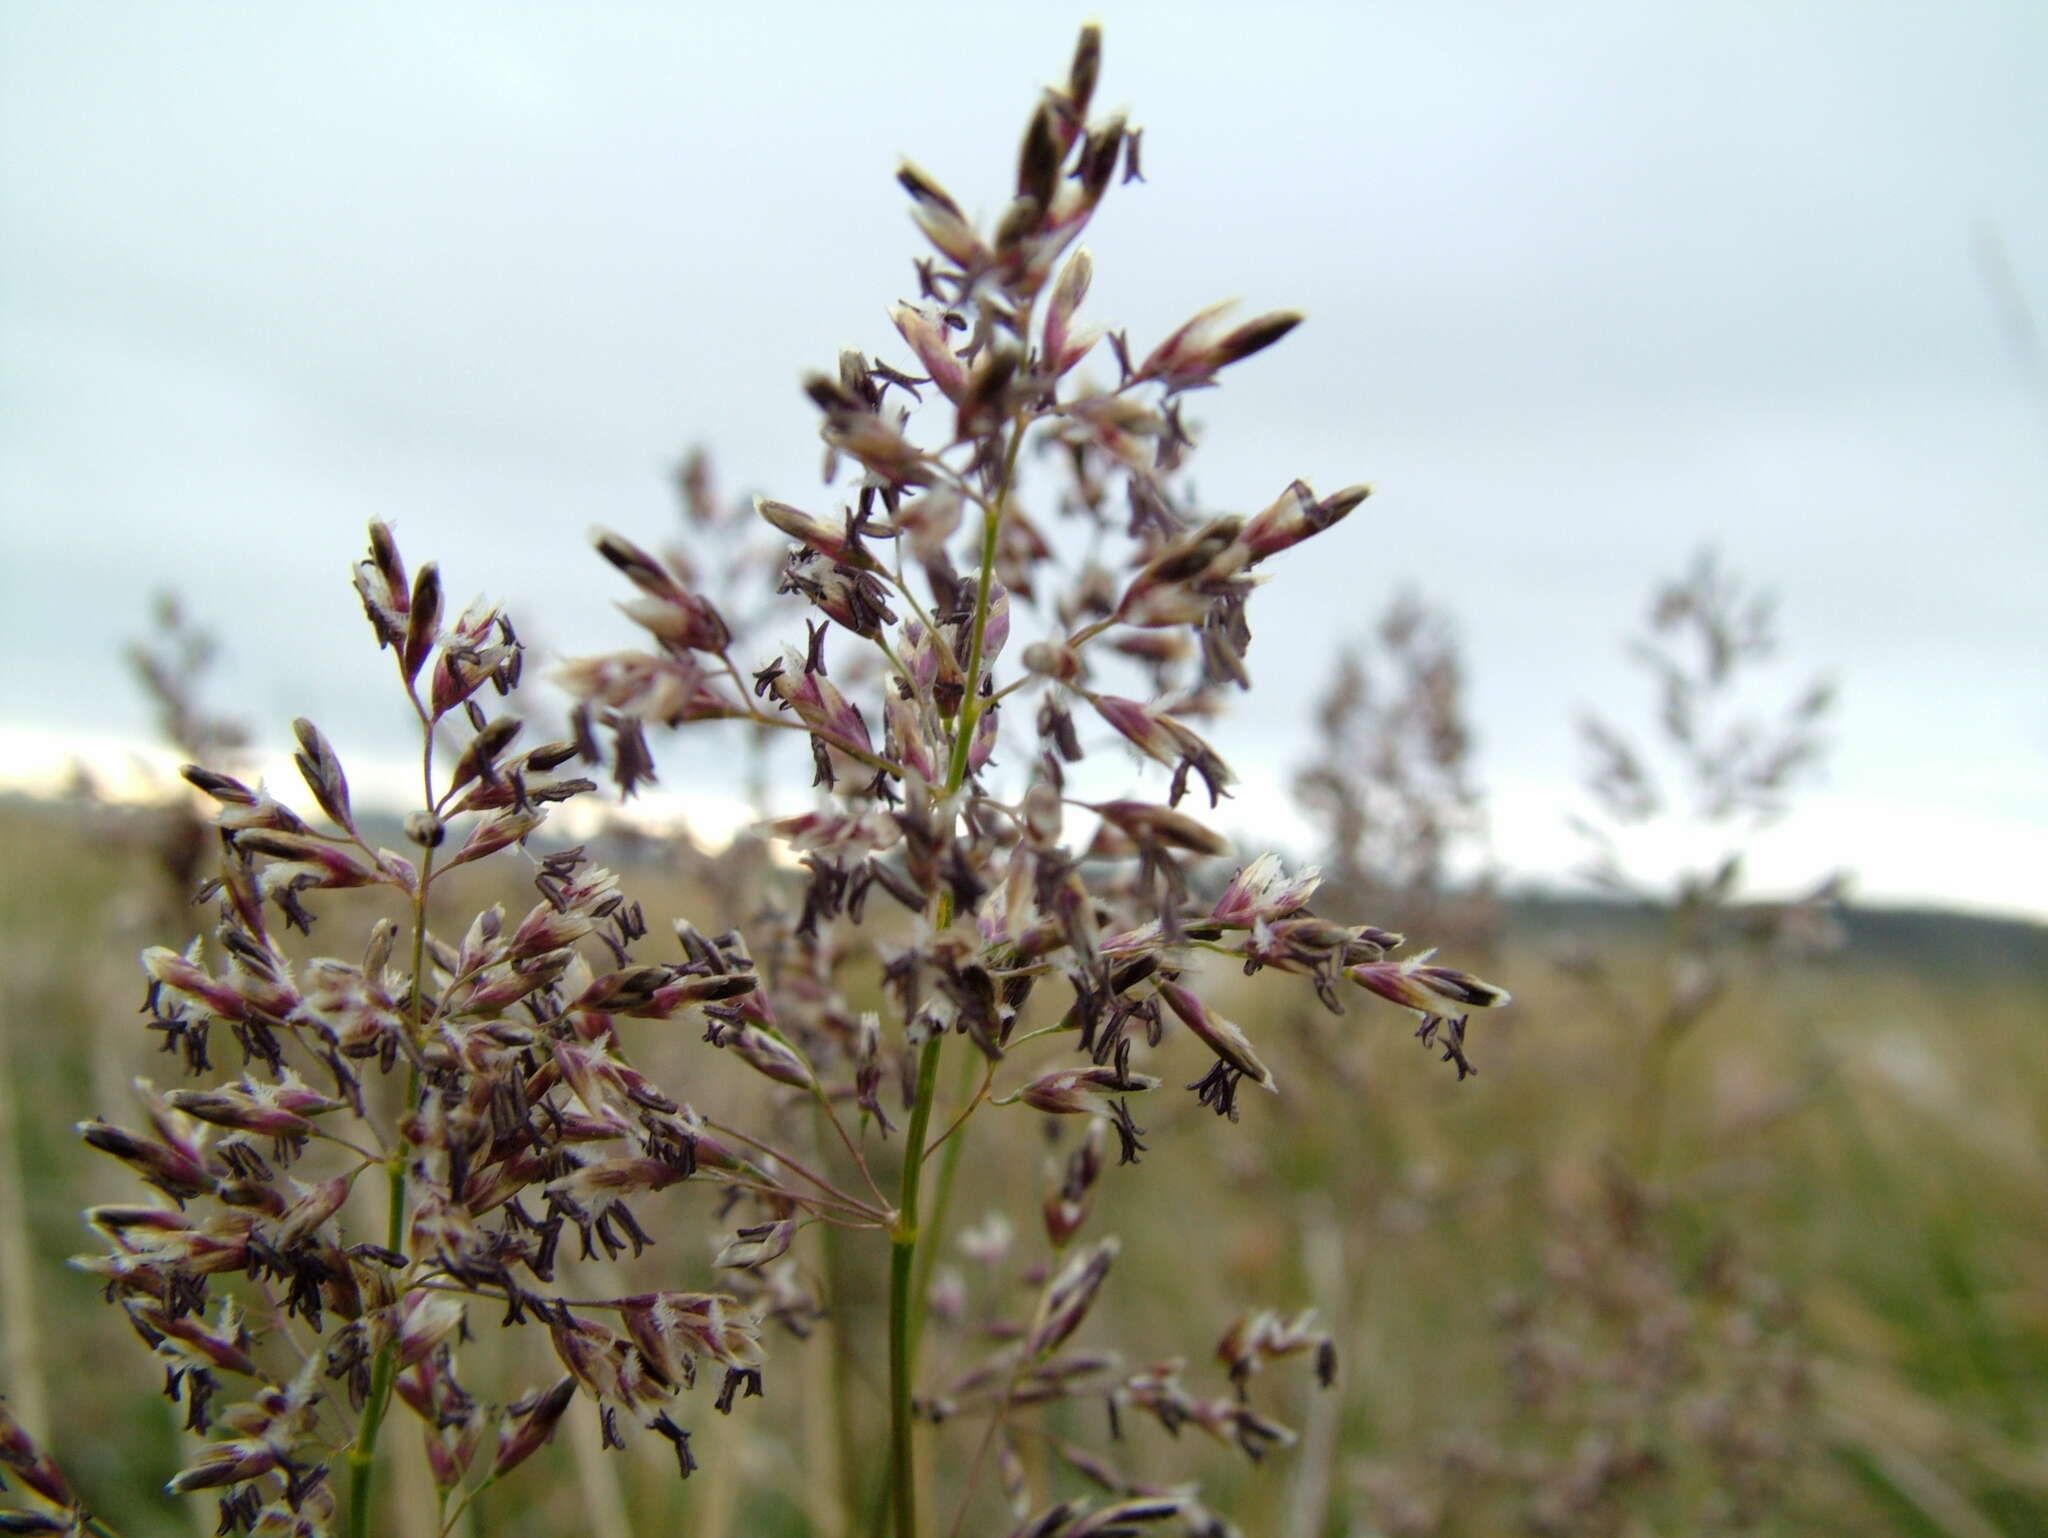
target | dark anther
x=618, y=1217
x=1120, y=1062
x=1218, y=1091
x=239, y=1511
x=685, y=1463
x=737, y=1379
x=905, y=382
x=1453, y=1042
x=199, y=1389
x=1128, y=1133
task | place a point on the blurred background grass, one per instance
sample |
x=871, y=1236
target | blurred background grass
x=1816, y=1301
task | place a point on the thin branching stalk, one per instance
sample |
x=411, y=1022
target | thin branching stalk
x=905, y=1303
x=903, y=1239
x=362, y=1453
x=529, y=1145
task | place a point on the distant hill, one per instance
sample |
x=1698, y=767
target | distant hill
x=1965, y=943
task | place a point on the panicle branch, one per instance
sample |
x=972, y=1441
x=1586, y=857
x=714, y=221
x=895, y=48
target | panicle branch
x=1006, y=575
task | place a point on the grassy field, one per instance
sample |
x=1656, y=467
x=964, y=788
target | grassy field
x=1810, y=1296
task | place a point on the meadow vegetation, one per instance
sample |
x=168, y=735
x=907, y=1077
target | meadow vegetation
x=599, y=1219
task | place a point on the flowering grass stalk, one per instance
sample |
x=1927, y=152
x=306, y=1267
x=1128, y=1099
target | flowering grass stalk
x=488, y=1077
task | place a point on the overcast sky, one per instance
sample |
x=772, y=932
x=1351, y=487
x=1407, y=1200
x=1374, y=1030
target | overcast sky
x=1589, y=286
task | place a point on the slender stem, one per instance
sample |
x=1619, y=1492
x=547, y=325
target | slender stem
x=732, y=671
x=852, y=750
x=902, y=1267
x=888, y=651
x=1023, y=682
x=973, y=1098
x=823, y=1208
x=905, y=1310
x=942, y=1198
x=991, y=528
x=362, y=1453
x=997, y=1417
x=368, y=1156
x=1064, y=1023
x=837, y=1196
x=852, y=1148
x=748, y=712
x=1088, y=632
x=468, y=1499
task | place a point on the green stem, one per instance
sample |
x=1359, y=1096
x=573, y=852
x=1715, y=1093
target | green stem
x=902, y=1268
x=942, y=1200
x=362, y=1453
x=905, y=1302
x=465, y=1503
x=972, y=707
